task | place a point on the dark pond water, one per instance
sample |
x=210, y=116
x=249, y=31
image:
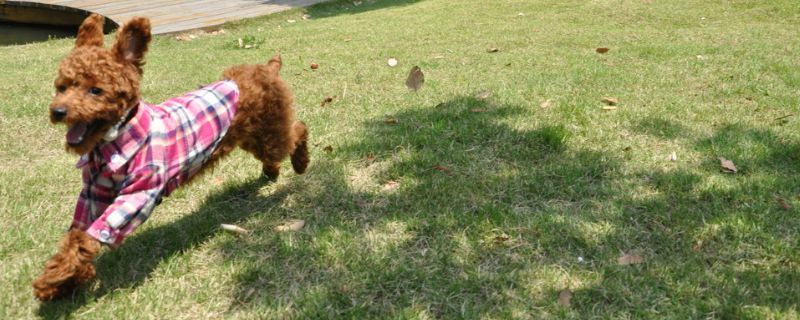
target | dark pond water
x=18, y=33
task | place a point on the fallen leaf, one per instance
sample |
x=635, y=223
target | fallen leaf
x=727, y=165
x=520, y=14
x=357, y=3
x=392, y=62
x=241, y=42
x=785, y=205
x=508, y=64
x=611, y=101
x=291, y=225
x=314, y=66
x=347, y=39
x=233, y=228
x=390, y=120
x=629, y=259
x=185, y=37
x=369, y=158
x=673, y=156
x=291, y=21
x=501, y=238
x=565, y=298
x=627, y=149
x=478, y=110
x=390, y=185
x=546, y=104
x=442, y=169
x=415, y=78
x=218, y=181
x=483, y=94
x=327, y=100
x=493, y=50
x=601, y=50
x=697, y=245
x=305, y=16
x=609, y=108
x=328, y=149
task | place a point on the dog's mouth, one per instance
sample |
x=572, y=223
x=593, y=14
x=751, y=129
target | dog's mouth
x=78, y=132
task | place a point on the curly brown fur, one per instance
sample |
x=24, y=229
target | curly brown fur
x=97, y=86
x=70, y=267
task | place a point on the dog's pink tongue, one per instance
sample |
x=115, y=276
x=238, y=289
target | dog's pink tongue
x=75, y=133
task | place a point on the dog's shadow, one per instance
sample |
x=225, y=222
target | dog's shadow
x=132, y=263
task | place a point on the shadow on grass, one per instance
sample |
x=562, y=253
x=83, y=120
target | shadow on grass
x=490, y=235
x=132, y=263
x=437, y=242
x=342, y=7
x=718, y=244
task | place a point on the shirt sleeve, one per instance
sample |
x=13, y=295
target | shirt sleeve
x=132, y=206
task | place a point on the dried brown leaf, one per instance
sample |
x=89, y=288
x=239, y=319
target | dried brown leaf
x=697, y=245
x=609, y=108
x=483, y=95
x=233, y=228
x=218, y=181
x=443, y=169
x=611, y=101
x=565, y=298
x=501, y=238
x=629, y=259
x=493, y=50
x=784, y=205
x=391, y=120
x=327, y=101
x=601, y=50
x=328, y=149
x=727, y=165
x=390, y=185
x=546, y=104
x=291, y=225
x=415, y=79
x=478, y=110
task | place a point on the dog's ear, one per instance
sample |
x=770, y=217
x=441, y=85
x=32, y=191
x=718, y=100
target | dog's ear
x=275, y=64
x=91, y=31
x=132, y=41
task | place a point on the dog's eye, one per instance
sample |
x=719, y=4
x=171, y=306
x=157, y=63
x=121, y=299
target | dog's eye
x=95, y=91
x=61, y=88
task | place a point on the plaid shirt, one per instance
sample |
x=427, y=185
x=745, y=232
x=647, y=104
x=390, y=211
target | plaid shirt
x=158, y=149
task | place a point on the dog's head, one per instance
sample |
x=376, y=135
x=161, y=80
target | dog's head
x=96, y=86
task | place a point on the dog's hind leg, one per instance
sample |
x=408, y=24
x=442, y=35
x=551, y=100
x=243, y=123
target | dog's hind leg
x=300, y=153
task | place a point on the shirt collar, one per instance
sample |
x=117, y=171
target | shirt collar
x=132, y=137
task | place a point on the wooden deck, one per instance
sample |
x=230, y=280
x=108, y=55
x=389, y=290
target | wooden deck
x=170, y=16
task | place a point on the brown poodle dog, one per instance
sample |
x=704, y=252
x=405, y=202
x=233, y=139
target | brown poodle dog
x=134, y=153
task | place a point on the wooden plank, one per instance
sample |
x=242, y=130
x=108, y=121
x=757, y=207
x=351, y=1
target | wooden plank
x=170, y=16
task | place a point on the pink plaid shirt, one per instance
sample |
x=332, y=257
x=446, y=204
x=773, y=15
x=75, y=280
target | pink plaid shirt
x=158, y=149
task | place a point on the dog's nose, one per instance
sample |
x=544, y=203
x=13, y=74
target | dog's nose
x=59, y=113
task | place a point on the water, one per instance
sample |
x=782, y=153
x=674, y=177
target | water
x=20, y=33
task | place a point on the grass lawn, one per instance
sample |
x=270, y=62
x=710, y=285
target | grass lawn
x=465, y=207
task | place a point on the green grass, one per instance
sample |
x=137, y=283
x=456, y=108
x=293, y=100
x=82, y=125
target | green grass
x=529, y=191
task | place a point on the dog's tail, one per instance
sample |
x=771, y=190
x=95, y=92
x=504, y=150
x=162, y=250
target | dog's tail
x=300, y=154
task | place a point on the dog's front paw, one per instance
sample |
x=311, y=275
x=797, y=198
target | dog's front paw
x=70, y=267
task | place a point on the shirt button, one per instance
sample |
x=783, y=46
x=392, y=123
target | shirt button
x=104, y=235
x=117, y=158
